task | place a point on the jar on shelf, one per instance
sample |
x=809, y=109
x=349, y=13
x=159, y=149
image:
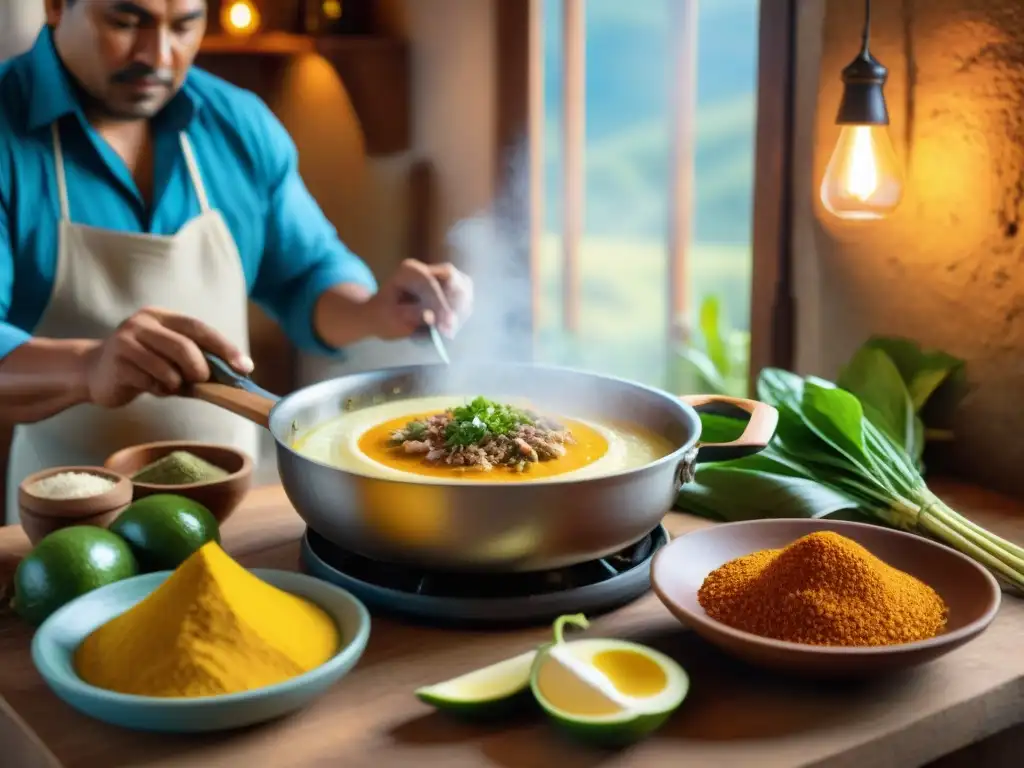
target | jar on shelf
x=338, y=17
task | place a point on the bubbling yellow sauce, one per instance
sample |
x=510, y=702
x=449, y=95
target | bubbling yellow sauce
x=359, y=442
x=588, y=446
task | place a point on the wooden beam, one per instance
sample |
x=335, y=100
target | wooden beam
x=574, y=140
x=519, y=156
x=683, y=139
x=772, y=308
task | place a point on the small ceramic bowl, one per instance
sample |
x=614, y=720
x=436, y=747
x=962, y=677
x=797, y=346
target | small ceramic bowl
x=221, y=496
x=970, y=592
x=41, y=516
x=57, y=639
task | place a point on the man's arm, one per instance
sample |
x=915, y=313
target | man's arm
x=38, y=377
x=309, y=281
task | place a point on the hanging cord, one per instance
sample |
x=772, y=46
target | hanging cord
x=865, y=38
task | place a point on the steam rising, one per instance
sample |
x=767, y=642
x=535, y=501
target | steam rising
x=493, y=249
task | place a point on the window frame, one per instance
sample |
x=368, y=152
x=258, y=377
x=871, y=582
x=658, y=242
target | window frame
x=518, y=35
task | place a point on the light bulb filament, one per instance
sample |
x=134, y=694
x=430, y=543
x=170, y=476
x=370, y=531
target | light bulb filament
x=863, y=179
x=862, y=172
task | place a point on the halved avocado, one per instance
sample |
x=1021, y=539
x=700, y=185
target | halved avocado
x=606, y=691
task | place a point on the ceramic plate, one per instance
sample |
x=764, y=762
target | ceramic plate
x=970, y=591
x=60, y=635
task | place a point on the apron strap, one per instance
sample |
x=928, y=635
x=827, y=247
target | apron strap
x=193, y=171
x=62, y=182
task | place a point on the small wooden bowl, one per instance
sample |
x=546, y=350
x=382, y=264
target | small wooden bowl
x=972, y=594
x=41, y=516
x=221, y=496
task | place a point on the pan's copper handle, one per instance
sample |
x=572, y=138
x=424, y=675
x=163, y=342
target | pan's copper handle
x=233, y=392
x=755, y=438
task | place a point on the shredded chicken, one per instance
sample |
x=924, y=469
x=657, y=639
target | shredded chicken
x=541, y=440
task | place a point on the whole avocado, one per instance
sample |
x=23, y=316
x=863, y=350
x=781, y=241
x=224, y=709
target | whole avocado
x=66, y=564
x=163, y=530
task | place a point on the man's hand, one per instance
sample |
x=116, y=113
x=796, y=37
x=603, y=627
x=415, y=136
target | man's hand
x=157, y=352
x=419, y=293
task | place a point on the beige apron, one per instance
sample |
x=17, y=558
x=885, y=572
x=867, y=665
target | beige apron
x=102, y=278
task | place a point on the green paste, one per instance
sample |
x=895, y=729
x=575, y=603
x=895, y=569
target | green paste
x=179, y=468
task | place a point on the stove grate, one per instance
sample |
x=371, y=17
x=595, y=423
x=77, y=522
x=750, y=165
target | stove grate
x=484, y=585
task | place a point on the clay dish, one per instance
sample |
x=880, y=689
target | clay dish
x=221, y=496
x=41, y=516
x=970, y=591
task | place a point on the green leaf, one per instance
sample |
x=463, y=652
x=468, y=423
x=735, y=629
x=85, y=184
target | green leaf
x=854, y=516
x=772, y=460
x=740, y=494
x=784, y=391
x=794, y=435
x=922, y=371
x=824, y=463
x=696, y=373
x=776, y=386
x=890, y=457
x=919, y=441
x=714, y=340
x=716, y=428
x=872, y=376
x=836, y=417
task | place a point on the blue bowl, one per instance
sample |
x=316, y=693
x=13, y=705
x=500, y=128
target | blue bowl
x=55, y=642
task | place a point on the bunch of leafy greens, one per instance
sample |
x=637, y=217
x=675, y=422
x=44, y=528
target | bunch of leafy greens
x=472, y=422
x=855, y=447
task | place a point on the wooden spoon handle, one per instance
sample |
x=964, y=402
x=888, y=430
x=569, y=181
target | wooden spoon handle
x=234, y=392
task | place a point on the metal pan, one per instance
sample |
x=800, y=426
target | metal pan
x=474, y=526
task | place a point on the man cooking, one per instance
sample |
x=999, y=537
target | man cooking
x=142, y=202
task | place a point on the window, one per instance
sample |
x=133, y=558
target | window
x=650, y=115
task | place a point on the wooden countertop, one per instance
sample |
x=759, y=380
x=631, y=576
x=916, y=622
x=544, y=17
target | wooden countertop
x=734, y=716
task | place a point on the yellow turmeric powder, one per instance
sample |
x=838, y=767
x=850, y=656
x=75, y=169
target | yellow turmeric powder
x=823, y=589
x=212, y=628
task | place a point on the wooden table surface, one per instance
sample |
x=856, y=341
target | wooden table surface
x=734, y=716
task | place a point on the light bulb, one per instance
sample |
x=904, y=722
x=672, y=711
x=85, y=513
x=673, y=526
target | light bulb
x=240, y=17
x=863, y=179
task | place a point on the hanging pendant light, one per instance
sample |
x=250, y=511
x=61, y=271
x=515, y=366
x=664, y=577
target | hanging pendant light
x=863, y=180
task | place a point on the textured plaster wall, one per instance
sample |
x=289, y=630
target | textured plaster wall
x=947, y=268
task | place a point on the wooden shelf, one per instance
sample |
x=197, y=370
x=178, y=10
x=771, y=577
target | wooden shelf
x=265, y=44
x=373, y=68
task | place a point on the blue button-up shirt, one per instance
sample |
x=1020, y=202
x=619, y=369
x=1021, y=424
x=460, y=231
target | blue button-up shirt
x=290, y=252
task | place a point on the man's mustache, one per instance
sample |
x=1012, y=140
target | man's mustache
x=136, y=72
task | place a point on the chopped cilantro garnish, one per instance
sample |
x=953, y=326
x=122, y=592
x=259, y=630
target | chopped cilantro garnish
x=415, y=430
x=472, y=422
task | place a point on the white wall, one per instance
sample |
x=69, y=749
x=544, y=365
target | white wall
x=20, y=22
x=945, y=269
x=454, y=126
x=454, y=103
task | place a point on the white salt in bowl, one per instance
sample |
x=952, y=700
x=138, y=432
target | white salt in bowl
x=45, y=511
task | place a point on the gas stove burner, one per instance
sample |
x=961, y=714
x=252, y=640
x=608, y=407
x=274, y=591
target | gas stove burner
x=486, y=599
